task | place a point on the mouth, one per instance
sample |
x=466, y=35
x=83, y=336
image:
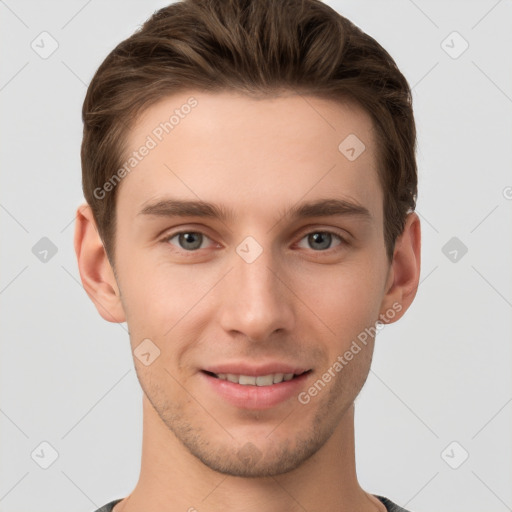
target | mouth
x=263, y=389
x=256, y=380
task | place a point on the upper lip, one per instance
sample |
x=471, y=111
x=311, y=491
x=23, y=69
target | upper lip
x=256, y=370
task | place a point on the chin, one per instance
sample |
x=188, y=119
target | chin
x=256, y=458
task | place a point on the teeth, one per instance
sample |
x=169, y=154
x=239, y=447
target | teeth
x=261, y=380
x=278, y=377
x=245, y=379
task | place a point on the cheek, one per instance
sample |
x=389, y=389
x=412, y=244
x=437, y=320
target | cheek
x=345, y=298
x=162, y=301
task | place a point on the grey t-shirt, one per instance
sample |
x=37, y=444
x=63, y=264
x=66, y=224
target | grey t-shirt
x=390, y=506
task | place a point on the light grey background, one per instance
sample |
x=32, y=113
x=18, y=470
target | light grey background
x=441, y=374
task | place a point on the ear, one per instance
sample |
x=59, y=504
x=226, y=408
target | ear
x=95, y=270
x=404, y=272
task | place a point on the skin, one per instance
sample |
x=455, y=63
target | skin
x=300, y=301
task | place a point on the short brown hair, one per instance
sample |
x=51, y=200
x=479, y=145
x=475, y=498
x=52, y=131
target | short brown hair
x=256, y=47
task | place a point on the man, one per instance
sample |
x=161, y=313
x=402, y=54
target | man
x=250, y=176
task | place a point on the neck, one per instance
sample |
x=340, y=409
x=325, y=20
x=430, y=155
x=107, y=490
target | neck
x=172, y=479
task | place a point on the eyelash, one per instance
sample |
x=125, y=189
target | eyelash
x=170, y=236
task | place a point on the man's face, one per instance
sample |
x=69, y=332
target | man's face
x=259, y=291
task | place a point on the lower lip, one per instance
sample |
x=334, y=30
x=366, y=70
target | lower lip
x=256, y=397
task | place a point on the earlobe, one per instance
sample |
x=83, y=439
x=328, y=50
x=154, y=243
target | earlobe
x=404, y=273
x=95, y=270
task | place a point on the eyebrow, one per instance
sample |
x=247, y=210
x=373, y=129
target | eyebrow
x=319, y=208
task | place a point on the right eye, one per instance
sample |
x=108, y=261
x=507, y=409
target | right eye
x=187, y=240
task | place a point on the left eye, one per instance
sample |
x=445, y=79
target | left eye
x=189, y=240
x=320, y=240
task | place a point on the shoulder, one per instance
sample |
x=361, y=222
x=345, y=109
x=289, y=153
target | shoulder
x=109, y=506
x=390, y=506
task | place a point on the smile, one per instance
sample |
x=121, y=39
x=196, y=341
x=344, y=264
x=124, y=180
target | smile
x=259, y=380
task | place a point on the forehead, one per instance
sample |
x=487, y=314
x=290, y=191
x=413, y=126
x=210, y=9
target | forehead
x=254, y=154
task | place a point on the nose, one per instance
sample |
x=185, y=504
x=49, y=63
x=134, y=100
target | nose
x=256, y=300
